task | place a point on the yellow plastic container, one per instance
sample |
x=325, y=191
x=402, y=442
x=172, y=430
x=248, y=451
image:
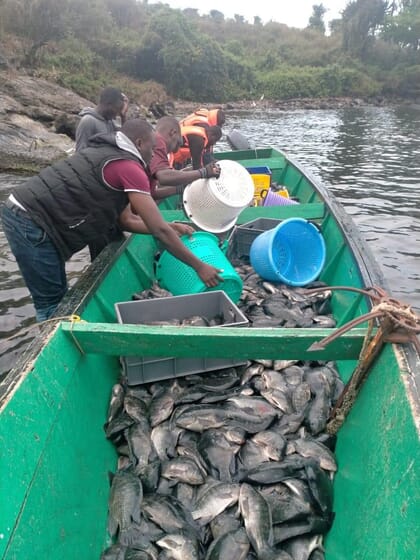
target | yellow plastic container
x=261, y=176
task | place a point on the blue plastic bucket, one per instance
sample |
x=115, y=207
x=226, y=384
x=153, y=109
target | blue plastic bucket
x=293, y=253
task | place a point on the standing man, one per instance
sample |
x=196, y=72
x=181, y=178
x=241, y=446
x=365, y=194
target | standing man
x=100, y=120
x=112, y=104
x=68, y=204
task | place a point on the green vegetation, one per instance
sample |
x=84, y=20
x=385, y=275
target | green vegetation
x=156, y=51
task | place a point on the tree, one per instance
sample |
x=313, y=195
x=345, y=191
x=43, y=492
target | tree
x=217, y=16
x=316, y=21
x=404, y=28
x=361, y=20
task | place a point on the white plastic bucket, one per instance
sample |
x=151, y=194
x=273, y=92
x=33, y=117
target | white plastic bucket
x=215, y=204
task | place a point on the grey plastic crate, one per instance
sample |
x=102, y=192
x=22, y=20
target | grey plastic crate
x=148, y=369
x=244, y=235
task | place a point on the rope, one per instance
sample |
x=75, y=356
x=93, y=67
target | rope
x=73, y=318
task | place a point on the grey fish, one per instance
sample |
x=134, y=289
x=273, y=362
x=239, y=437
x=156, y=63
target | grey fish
x=124, y=502
x=312, y=524
x=182, y=469
x=222, y=380
x=324, y=321
x=164, y=439
x=278, y=398
x=219, y=454
x=226, y=522
x=293, y=375
x=285, y=503
x=140, y=535
x=250, y=371
x=274, y=380
x=186, y=494
x=219, y=497
x=318, y=451
x=136, y=408
x=300, y=548
x=118, y=425
x=139, y=443
x=320, y=485
x=195, y=321
x=200, y=418
x=279, y=365
x=271, y=443
x=115, y=403
x=114, y=552
x=301, y=396
x=276, y=471
x=161, y=406
x=135, y=554
x=257, y=518
x=167, y=512
x=181, y=546
x=149, y=475
x=233, y=545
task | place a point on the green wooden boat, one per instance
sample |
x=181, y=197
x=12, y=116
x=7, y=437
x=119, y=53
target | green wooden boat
x=55, y=458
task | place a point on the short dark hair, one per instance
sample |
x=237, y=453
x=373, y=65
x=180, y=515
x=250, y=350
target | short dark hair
x=136, y=128
x=215, y=132
x=167, y=123
x=111, y=96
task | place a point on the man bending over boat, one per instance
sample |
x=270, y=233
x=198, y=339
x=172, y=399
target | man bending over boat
x=172, y=181
x=59, y=211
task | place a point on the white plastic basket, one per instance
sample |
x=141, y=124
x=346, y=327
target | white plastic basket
x=215, y=204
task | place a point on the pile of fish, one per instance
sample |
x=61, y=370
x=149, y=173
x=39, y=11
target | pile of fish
x=233, y=464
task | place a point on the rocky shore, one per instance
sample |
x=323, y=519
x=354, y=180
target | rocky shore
x=38, y=118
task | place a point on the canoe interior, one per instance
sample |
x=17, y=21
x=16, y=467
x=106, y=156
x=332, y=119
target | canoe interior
x=55, y=458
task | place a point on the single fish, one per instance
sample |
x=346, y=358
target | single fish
x=181, y=546
x=233, y=545
x=217, y=498
x=183, y=469
x=124, y=502
x=257, y=519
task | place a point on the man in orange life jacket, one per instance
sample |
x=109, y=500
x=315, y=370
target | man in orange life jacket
x=196, y=141
x=172, y=181
x=205, y=117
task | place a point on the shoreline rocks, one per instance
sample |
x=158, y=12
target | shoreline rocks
x=38, y=118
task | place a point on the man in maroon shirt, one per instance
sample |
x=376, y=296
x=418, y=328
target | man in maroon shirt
x=172, y=181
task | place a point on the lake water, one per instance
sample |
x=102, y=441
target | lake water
x=369, y=157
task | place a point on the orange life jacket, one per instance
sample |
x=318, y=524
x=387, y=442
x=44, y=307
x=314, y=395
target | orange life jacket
x=184, y=154
x=201, y=116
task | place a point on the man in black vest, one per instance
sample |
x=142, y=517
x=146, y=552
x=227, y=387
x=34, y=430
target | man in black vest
x=70, y=203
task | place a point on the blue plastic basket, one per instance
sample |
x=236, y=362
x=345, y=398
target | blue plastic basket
x=292, y=253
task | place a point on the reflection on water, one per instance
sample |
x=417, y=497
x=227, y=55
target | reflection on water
x=368, y=156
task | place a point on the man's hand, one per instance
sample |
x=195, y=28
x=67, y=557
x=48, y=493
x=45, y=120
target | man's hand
x=212, y=170
x=209, y=275
x=182, y=229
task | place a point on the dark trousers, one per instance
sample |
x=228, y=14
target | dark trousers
x=42, y=266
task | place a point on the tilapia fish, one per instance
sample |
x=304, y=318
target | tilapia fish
x=233, y=464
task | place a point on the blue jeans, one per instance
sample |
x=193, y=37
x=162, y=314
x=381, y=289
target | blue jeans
x=41, y=265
